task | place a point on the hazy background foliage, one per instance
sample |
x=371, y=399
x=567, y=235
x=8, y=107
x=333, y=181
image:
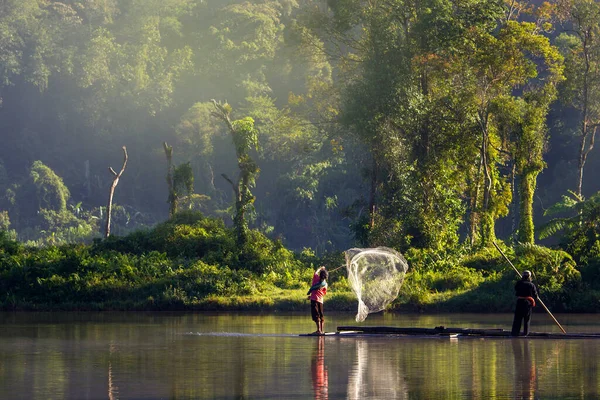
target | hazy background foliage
x=430, y=126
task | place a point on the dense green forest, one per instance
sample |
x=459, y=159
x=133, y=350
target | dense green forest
x=179, y=153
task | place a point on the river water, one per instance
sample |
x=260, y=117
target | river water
x=248, y=356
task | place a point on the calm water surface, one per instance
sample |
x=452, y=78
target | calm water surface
x=242, y=356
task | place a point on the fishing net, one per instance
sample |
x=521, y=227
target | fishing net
x=375, y=276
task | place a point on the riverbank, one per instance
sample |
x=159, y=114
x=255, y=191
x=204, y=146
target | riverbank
x=296, y=301
x=192, y=262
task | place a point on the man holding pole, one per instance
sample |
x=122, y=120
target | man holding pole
x=527, y=295
x=516, y=332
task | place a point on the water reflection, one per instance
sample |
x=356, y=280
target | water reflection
x=525, y=370
x=201, y=356
x=375, y=374
x=113, y=390
x=319, y=371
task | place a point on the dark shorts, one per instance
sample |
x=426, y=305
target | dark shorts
x=316, y=311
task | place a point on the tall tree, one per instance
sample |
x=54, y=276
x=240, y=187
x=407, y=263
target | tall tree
x=514, y=72
x=528, y=141
x=245, y=138
x=407, y=108
x=580, y=44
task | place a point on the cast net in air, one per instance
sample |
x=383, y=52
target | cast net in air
x=375, y=276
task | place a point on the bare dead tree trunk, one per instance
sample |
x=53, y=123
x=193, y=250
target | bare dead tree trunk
x=587, y=144
x=112, y=190
x=486, y=218
x=588, y=128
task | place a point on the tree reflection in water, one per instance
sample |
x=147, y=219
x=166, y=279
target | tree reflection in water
x=113, y=390
x=375, y=375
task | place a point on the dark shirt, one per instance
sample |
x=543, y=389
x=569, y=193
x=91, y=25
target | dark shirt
x=525, y=288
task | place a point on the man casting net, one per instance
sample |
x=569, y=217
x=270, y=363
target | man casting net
x=375, y=276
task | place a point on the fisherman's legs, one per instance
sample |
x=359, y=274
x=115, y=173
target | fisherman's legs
x=522, y=312
x=316, y=311
x=321, y=317
x=526, y=320
x=516, y=326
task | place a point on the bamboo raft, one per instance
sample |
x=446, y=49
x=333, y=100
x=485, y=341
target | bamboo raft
x=441, y=331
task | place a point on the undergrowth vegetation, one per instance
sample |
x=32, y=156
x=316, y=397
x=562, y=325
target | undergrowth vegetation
x=181, y=263
x=193, y=262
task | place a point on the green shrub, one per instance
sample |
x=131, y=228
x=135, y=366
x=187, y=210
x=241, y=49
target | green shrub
x=8, y=244
x=137, y=242
x=552, y=268
x=431, y=259
x=261, y=255
x=485, y=259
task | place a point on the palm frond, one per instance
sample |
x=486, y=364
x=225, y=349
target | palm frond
x=566, y=205
x=555, y=225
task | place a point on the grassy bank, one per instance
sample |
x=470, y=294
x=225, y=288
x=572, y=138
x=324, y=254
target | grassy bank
x=193, y=263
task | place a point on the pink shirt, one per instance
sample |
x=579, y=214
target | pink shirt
x=318, y=295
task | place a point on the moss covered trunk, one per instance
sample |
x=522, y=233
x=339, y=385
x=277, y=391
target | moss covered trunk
x=527, y=187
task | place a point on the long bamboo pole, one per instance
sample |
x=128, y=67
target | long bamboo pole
x=539, y=300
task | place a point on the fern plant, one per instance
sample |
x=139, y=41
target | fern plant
x=573, y=205
x=580, y=226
